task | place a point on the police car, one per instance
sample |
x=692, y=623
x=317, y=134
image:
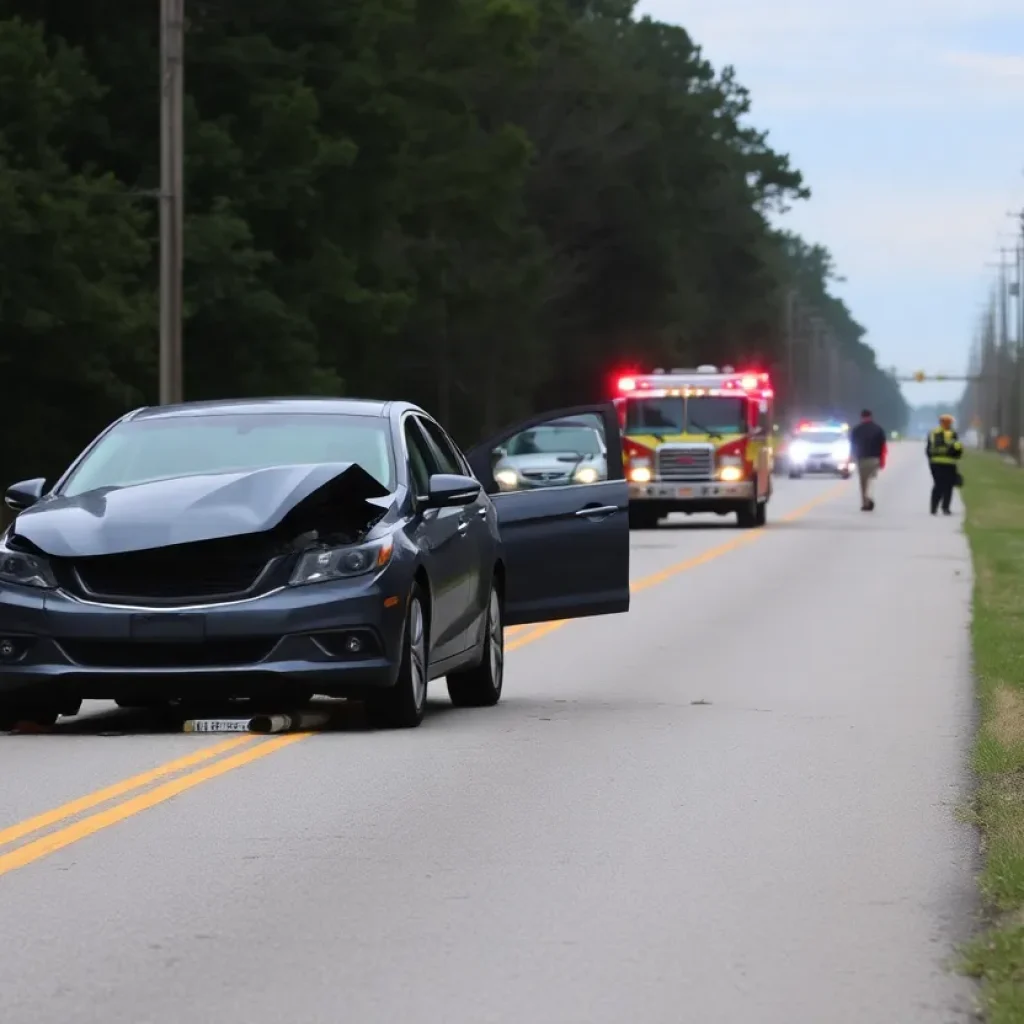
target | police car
x=819, y=448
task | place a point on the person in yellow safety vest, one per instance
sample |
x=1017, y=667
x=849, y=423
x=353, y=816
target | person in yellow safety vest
x=943, y=449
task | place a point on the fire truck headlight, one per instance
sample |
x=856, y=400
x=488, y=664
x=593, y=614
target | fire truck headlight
x=640, y=474
x=730, y=474
x=506, y=479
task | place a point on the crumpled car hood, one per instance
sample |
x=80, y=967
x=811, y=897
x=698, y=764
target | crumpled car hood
x=331, y=498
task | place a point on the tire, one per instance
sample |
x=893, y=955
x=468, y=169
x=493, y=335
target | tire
x=480, y=686
x=641, y=518
x=795, y=476
x=13, y=713
x=761, y=516
x=401, y=706
x=751, y=515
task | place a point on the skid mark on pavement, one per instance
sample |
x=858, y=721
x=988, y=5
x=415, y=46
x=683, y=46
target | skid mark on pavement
x=193, y=769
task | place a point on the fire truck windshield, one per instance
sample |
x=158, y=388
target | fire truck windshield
x=698, y=414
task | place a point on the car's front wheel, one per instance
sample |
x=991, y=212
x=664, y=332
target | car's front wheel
x=15, y=712
x=480, y=686
x=401, y=706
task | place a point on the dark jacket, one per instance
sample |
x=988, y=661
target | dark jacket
x=867, y=441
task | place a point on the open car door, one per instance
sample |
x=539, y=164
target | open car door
x=558, y=486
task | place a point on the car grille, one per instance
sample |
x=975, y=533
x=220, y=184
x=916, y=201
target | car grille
x=154, y=655
x=545, y=477
x=685, y=463
x=209, y=570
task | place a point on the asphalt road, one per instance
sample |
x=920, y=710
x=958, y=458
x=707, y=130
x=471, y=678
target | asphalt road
x=735, y=805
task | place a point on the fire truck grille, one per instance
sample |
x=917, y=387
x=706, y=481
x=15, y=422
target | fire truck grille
x=685, y=463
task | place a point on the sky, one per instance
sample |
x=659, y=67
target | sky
x=904, y=117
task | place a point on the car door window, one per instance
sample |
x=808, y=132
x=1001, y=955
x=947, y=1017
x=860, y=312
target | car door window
x=564, y=451
x=447, y=455
x=422, y=461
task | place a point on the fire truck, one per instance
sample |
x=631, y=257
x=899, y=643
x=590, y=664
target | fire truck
x=697, y=441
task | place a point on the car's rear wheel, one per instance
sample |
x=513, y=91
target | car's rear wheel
x=401, y=706
x=480, y=686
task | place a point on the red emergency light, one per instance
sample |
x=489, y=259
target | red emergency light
x=627, y=384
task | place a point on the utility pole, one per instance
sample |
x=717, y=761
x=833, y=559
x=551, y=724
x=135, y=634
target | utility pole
x=1018, y=292
x=1005, y=389
x=790, y=327
x=172, y=72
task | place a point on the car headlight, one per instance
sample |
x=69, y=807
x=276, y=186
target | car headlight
x=841, y=450
x=798, y=451
x=506, y=479
x=586, y=475
x=25, y=569
x=322, y=564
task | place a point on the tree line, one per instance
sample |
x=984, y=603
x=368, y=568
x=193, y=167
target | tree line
x=484, y=206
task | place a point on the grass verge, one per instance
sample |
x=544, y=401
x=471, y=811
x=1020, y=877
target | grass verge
x=994, y=497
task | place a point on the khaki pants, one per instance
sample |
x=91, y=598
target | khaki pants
x=867, y=470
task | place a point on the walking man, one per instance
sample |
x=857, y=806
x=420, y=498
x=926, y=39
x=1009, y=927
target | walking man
x=944, y=450
x=868, y=449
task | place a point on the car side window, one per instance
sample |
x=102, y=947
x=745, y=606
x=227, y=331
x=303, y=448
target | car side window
x=448, y=457
x=422, y=461
x=560, y=452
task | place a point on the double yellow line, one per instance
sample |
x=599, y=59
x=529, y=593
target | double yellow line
x=166, y=781
x=51, y=842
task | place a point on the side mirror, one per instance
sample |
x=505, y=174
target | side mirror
x=25, y=494
x=448, y=490
x=500, y=452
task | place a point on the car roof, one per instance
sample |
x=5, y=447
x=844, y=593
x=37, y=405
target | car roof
x=271, y=406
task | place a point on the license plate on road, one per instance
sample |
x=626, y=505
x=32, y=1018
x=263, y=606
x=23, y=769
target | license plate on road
x=217, y=725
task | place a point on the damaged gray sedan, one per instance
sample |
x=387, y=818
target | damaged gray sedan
x=281, y=548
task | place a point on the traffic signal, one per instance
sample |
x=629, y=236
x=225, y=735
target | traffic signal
x=919, y=376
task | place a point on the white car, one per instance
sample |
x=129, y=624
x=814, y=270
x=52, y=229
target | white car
x=819, y=450
x=553, y=454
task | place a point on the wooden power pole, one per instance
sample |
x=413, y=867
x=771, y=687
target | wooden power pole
x=172, y=46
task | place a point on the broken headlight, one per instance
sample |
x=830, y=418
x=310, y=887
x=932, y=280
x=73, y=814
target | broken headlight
x=25, y=569
x=322, y=564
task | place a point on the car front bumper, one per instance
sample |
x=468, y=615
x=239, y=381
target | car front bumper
x=820, y=464
x=55, y=645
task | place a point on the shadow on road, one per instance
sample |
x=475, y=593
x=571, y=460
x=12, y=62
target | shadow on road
x=344, y=716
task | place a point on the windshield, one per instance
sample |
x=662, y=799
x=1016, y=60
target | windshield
x=155, y=449
x=549, y=440
x=820, y=436
x=695, y=415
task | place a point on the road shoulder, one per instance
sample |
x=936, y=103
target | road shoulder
x=994, y=497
